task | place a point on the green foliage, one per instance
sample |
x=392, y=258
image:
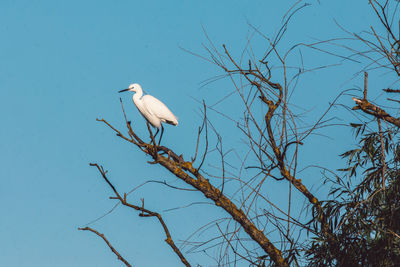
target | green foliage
x=363, y=217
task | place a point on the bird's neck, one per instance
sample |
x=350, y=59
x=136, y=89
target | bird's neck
x=138, y=95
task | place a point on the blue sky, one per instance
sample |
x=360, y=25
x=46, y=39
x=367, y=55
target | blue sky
x=62, y=64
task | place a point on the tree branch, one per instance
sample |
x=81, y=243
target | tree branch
x=375, y=111
x=108, y=244
x=144, y=212
x=186, y=172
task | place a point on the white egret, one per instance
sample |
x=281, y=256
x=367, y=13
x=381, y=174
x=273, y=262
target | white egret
x=152, y=109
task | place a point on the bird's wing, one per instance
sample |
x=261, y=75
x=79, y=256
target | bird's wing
x=157, y=108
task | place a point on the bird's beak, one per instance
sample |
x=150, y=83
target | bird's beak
x=123, y=90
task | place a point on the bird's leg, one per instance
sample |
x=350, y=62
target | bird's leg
x=156, y=133
x=162, y=132
x=152, y=137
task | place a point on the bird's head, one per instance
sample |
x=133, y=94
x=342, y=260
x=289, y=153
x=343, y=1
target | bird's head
x=134, y=87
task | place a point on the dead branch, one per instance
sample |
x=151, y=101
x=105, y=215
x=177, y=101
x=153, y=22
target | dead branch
x=375, y=111
x=388, y=90
x=144, y=212
x=187, y=173
x=256, y=78
x=108, y=244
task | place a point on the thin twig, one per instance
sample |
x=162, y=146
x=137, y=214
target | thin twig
x=206, y=136
x=108, y=244
x=365, y=84
x=383, y=154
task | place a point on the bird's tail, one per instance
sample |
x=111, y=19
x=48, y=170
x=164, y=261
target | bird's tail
x=172, y=122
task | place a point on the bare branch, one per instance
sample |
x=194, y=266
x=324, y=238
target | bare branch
x=144, y=213
x=186, y=172
x=108, y=244
x=375, y=111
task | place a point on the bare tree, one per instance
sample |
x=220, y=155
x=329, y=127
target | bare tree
x=257, y=230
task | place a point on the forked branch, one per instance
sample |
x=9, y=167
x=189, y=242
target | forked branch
x=144, y=213
x=273, y=94
x=186, y=172
x=375, y=111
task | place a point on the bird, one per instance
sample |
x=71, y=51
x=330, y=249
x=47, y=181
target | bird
x=152, y=109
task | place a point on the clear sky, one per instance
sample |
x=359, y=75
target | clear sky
x=61, y=66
